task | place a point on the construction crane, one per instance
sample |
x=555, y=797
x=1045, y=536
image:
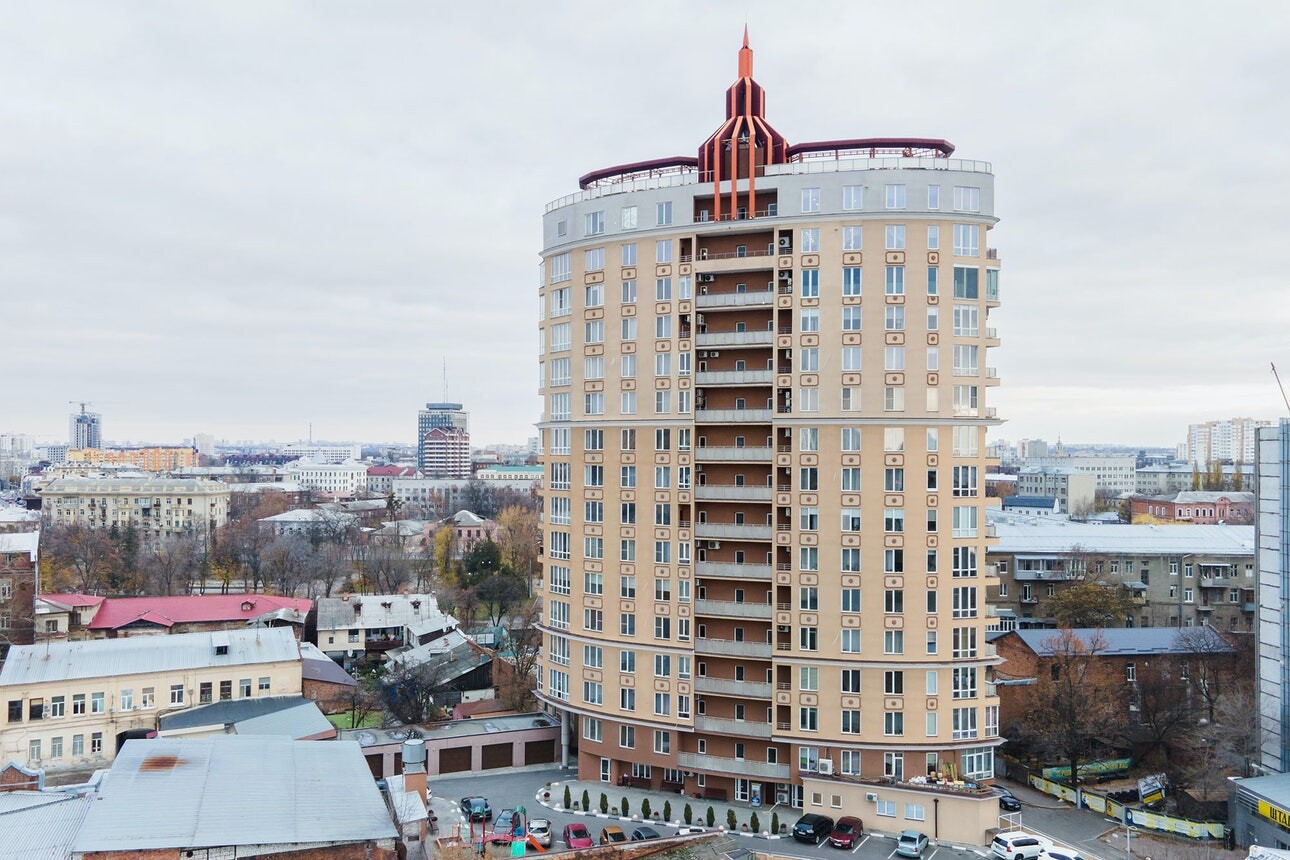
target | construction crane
x=82, y=403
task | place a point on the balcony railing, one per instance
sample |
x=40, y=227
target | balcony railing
x=732, y=648
x=733, y=766
x=734, y=416
x=760, y=298
x=709, y=339
x=730, y=531
x=713, y=454
x=741, y=728
x=733, y=609
x=727, y=687
x=734, y=377
x=725, y=570
x=733, y=493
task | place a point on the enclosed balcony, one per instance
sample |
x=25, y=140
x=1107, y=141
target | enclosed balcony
x=732, y=531
x=734, y=766
x=732, y=648
x=733, y=493
x=733, y=377
x=733, y=454
x=733, y=609
x=728, y=687
x=727, y=570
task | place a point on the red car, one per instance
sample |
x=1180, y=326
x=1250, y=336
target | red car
x=577, y=836
x=847, y=832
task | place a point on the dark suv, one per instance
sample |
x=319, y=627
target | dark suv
x=812, y=828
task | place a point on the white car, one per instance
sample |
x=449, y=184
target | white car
x=1060, y=852
x=1018, y=845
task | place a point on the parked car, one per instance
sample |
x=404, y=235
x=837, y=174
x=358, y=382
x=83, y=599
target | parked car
x=911, y=843
x=640, y=834
x=847, y=832
x=687, y=829
x=812, y=828
x=1018, y=845
x=540, y=829
x=611, y=834
x=476, y=808
x=1008, y=801
x=577, y=836
x=504, y=822
x=1060, y=852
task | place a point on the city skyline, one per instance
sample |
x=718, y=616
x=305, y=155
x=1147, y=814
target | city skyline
x=224, y=230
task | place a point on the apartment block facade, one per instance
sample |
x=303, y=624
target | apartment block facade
x=1272, y=534
x=764, y=512
x=157, y=507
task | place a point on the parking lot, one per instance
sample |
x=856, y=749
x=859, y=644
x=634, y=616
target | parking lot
x=509, y=790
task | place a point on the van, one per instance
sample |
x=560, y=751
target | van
x=1018, y=845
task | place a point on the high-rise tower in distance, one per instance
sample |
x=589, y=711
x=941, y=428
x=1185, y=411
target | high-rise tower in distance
x=765, y=383
x=84, y=429
x=443, y=441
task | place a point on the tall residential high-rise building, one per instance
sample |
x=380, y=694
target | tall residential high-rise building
x=446, y=453
x=764, y=524
x=1272, y=548
x=85, y=429
x=1232, y=440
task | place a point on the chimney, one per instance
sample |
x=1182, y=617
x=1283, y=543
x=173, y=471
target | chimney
x=414, y=767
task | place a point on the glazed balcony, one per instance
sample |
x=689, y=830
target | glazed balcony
x=734, y=377
x=732, y=531
x=734, y=416
x=718, y=454
x=733, y=609
x=733, y=493
x=732, y=648
x=734, y=766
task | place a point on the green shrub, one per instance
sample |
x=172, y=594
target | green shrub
x=689, y=814
x=586, y=800
x=667, y=810
x=712, y=817
x=645, y=808
x=754, y=824
x=774, y=822
x=604, y=802
x=625, y=808
x=732, y=823
x=568, y=798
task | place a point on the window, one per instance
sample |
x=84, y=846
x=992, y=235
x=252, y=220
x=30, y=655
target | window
x=895, y=280
x=662, y=742
x=851, y=722
x=893, y=399
x=850, y=479
x=810, y=240
x=809, y=437
x=851, y=439
x=593, y=693
x=663, y=213
x=662, y=704
x=628, y=222
x=176, y=694
x=964, y=723
x=933, y=289
x=96, y=743
x=57, y=706
x=851, y=277
x=662, y=628
x=893, y=723
x=893, y=642
x=893, y=317
x=852, y=197
x=933, y=244
x=850, y=641
x=663, y=289
x=967, y=199
x=592, y=729
x=853, y=238
x=595, y=223
x=561, y=268
x=964, y=678
x=810, y=200
x=810, y=320
x=966, y=320
x=594, y=261
x=627, y=737
x=967, y=240
x=809, y=638
x=850, y=600
x=933, y=197
x=593, y=619
x=663, y=251
x=895, y=196
x=895, y=237
x=148, y=695
x=810, y=283
x=808, y=719
x=808, y=679
x=893, y=358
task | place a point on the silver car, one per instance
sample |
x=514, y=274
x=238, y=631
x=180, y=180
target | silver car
x=540, y=829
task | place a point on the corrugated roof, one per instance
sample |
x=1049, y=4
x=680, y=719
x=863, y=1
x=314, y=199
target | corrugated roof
x=1026, y=534
x=73, y=599
x=97, y=658
x=1129, y=641
x=173, y=486
x=1030, y=502
x=228, y=790
x=42, y=829
x=317, y=666
x=289, y=716
x=120, y=611
x=336, y=612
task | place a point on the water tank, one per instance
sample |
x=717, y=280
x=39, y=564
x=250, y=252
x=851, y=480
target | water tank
x=414, y=751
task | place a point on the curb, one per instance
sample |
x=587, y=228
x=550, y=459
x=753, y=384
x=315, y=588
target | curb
x=549, y=803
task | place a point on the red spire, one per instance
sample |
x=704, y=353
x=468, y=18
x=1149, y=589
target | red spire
x=745, y=57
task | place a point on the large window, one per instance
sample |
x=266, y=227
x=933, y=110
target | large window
x=967, y=240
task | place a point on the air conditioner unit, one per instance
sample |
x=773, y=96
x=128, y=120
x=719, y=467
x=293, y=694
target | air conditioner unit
x=785, y=275
x=707, y=279
x=784, y=628
x=785, y=243
x=714, y=544
x=699, y=317
x=871, y=797
x=826, y=766
x=714, y=354
x=703, y=353
x=781, y=797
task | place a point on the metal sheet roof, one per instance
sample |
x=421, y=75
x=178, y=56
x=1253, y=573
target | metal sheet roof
x=229, y=791
x=289, y=716
x=338, y=612
x=1128, y=641
x=27, y=543
x=97, y=658
x=1025, y=534
x=192, y=608
x=42, y=829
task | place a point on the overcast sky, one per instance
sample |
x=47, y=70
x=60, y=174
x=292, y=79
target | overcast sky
x=241, y=217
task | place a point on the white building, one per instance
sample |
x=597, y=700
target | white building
x=354, y=624
x=308, y=521
x=1272, y=541
x=1074, y=490
x=343, y=480
x=1113, y=474
x=324, y=453
x=158, y=507
x=1231, y=439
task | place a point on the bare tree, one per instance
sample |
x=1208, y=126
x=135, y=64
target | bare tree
x=409, y=691
x=169, y=565
x=82, y=558
x=1073, y=704
x=516, y=682
x=498, y=593
x=286, y=562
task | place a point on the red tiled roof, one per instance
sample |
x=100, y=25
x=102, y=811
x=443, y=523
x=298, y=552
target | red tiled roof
x=73, y=599
x=168, y=611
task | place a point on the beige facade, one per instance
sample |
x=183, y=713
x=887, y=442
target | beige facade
x=764, y=442
x=74, y=708
x=944, y=812
x=158, y=508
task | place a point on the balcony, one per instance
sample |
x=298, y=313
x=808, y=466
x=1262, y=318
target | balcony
x=733, y=493
x=383, y=644
x=726, y=687
x=734, y=416
x=741, y=728
x=707, y=340
x=730, y=531
x=752, y=260
x=1249, y=606
x=1205, y=607
x=734, y=377
x=732, y=648
x=733, y=609
x=733, y=766
x=712, y=454
x=764, y=298
x=725, y=570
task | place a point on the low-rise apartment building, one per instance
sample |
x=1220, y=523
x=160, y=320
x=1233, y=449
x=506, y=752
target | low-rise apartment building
x=1175, y=575
x=155, y=458
x=345, y=480
x=1201, y=507
x=157, y=507
x=380, y=479
x=74, y=704
x=1111, y=473
x=1075, y=491
x=354, y=625
x=19, y=579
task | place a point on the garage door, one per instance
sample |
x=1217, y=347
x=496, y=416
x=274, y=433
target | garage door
x=376, y=764
x=497, y=755
x=539, y=752
x=454, y=760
